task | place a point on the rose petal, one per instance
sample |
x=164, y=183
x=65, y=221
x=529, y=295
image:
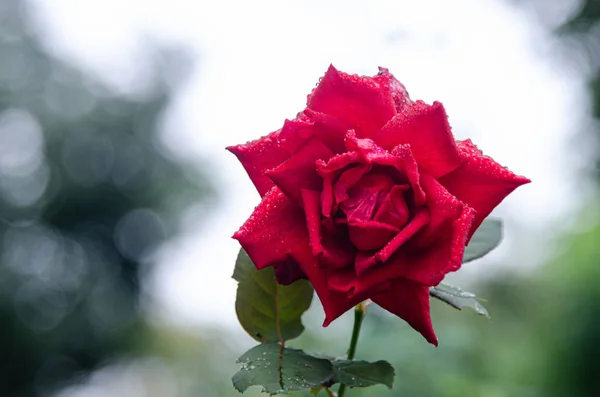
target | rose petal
x=289, y=271
x=443, y=209
x=347, y=180
x=337, y=253
x=332, y=251
x=338, y=163
x=430, y=265
x=362, y=199
x=366, y=147
x=275, y=230
x=296, y=132
x=370, y=235
x=411, y=169
x=271, y=150
x=367, y=261
x=377, y=180
x=341, y=280
x=358, y=101
x=424, y=265
x=330, y=171
x=393, y=209
x=425, y=128
x=480, y=182
x=312, y=208
x=400, y=159
x=419, y=221
x=410, y=302
x=334, y=304
x=399, y=93
x=300, y=170
x=330, y=130
x=327, y=200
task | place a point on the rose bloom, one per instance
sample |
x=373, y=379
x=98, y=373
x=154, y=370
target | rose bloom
x=367, y=195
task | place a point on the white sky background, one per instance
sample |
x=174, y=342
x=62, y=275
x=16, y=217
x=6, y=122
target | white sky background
x=492, y=66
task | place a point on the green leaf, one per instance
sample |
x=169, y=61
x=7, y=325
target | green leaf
x=363, y=373
x=268, y=311
x=314, y=391
x=457, y=298
x=243, y=266
x=280, y=370
x=486, y=238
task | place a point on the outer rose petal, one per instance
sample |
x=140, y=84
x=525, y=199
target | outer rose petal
x=271, y=150
x=275, y=231
x=334, y=304
x=443, y=209
x=410, y=302
x=480, y=182
x=312, y=208
x=358, y=101
x=329, y=129
x=300, y=170
x=340, y=280
x=388, y=82
x=425, y=128
x=429, y=265
x=329, y=250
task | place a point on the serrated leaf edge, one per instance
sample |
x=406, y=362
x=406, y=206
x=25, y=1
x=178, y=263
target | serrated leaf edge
x=375, y=383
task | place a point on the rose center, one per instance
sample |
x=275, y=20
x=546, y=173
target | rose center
x=374, y=208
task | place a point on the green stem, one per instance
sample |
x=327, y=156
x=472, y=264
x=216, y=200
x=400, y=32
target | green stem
x=359, y=314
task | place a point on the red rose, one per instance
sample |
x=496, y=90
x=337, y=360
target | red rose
x=367, y=194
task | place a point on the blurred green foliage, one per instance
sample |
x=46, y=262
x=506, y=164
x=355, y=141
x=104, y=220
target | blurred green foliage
x=584, y=27
x=87, y=193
